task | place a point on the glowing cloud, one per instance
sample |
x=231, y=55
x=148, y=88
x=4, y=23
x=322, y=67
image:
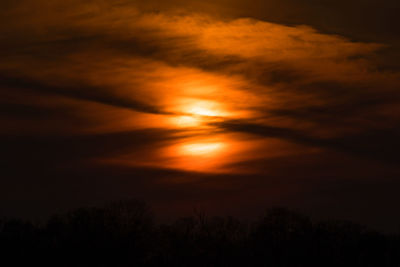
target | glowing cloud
x=202, y=149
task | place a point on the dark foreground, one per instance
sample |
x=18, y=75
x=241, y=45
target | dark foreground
x=124, y=234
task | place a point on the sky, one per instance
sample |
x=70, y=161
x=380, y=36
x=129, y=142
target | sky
x=230, y=107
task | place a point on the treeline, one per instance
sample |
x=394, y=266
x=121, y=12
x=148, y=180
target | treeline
x=125, y=234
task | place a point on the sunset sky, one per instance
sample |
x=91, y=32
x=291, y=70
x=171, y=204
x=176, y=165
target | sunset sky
x=228, y=106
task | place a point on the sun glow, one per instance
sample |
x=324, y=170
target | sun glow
x=196, y=112
x=209, y=153
x=202, y=111
x=200, y=107
x=201, y=149
x=186, y=121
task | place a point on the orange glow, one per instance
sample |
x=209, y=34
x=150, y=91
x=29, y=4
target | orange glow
x=199, y=107
x=199, y=154
x=197, y=113
x=203, y=111
x=186, y=121
x=202, y=149
x=204, y=152
x=185, y=105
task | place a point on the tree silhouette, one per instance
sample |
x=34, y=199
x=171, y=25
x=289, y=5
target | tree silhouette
x=125, y=234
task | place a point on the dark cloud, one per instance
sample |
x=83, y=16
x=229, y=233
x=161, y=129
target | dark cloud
x=45, y=150
x=383, y=148
x=371, y=20
x=78, y=91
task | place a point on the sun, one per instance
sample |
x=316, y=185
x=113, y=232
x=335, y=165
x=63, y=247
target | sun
x=205, y=108
x=201, y=149
x=196, y=113
x=186, y=121
x=202, y=111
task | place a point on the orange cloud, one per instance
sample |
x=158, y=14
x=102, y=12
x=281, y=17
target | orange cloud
x=118, y=68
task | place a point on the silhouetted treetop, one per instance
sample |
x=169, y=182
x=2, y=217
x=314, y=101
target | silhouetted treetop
x=124, y=234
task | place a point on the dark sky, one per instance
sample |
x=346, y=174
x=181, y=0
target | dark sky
x=226, y=106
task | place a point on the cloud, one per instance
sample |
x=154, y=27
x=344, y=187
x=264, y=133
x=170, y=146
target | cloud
x=118, y=55
x=79, y=91
x=384, y=147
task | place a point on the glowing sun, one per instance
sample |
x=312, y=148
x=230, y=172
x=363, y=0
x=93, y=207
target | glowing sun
x=201, y=149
